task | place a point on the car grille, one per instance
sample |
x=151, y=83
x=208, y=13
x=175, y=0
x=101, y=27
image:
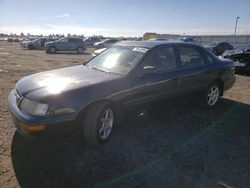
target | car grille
x=19, y=97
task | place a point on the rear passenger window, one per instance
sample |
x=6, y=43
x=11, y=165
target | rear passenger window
x=190, y=57
x=74, y=40
x=210, y=59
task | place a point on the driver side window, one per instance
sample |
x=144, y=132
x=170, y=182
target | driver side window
x=163, y=59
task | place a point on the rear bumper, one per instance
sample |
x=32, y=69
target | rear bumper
x=53, y=125
x=229, y=82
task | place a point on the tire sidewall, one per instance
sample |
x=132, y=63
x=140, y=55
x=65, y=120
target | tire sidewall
x=52, y=52
x=92, y=122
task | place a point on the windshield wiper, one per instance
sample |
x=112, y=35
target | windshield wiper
x=106, y=71
x=98, y=69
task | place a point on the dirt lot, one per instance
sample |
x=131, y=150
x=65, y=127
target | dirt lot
x=180, y=145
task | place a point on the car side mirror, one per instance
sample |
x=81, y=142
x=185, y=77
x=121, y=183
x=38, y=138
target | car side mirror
x=148, y=70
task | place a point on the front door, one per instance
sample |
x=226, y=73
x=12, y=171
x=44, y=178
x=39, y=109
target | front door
x=162, y=83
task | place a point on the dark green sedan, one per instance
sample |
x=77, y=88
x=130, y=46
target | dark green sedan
x=94, y=97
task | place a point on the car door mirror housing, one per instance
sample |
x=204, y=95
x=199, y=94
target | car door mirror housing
x=149, y=70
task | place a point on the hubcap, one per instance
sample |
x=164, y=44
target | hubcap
x=52, y=50
x=213, y=95
x=107, y=120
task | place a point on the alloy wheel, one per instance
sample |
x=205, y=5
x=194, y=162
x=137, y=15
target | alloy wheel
x=213, y=95
x=107, y=120
x=52, y=50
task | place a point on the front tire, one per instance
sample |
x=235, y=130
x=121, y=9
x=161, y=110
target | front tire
x=98, y=123
x=52, y=50
x=31, y=47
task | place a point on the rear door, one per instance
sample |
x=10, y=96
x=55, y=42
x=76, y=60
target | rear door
x=73, y=44
x=62, y=45
x=196, y=69
x=159, y=85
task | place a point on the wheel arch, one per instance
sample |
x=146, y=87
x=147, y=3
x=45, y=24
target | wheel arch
x=118, y=110
x=221, y=83
x=53, y=46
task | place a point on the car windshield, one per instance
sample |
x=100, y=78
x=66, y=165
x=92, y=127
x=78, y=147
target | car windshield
x=118, y=59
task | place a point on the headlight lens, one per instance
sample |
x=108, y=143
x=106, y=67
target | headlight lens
x=33, y=107
x=41, y=109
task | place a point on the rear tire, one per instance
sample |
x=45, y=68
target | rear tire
x=79, y=50
x=212, y=95
x=98, y=123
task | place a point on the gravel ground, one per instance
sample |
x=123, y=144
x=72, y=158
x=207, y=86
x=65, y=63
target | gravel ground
x=177, y=145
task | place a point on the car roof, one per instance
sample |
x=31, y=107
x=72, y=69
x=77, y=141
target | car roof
x=72, y=38
x=151, y=44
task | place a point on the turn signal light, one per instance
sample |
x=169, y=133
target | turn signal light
x=32, y=128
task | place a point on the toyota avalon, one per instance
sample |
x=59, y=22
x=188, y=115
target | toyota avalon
x=94, y=96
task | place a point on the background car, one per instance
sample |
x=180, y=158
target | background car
x=90, y=41
x=97, y=52
x=66, y=44
x=241, y=57
x=123, y=77
x=9, y=40
x=157, y=39
x=219, y=48
x=37, y=43
x=187, y=39
x=105, y=43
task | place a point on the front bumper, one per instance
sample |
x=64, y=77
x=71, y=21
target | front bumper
x=53, y=125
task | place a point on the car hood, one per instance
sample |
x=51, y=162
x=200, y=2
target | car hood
x=98, y=43
x=62, y=80
x=27, y=42
x=232, y=52
x=51, y=42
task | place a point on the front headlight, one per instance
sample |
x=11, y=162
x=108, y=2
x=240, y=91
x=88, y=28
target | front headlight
x=33, y=107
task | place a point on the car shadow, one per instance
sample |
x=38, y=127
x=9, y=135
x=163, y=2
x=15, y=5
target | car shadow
x=176, y=145
x=71, y=53
x=59, y=52
x=26, y=49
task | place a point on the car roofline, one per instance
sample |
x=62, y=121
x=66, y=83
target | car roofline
x=152, y=44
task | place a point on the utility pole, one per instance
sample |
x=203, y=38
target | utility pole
x=236, y=23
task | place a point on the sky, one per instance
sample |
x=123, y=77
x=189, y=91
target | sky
x=124, y=18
